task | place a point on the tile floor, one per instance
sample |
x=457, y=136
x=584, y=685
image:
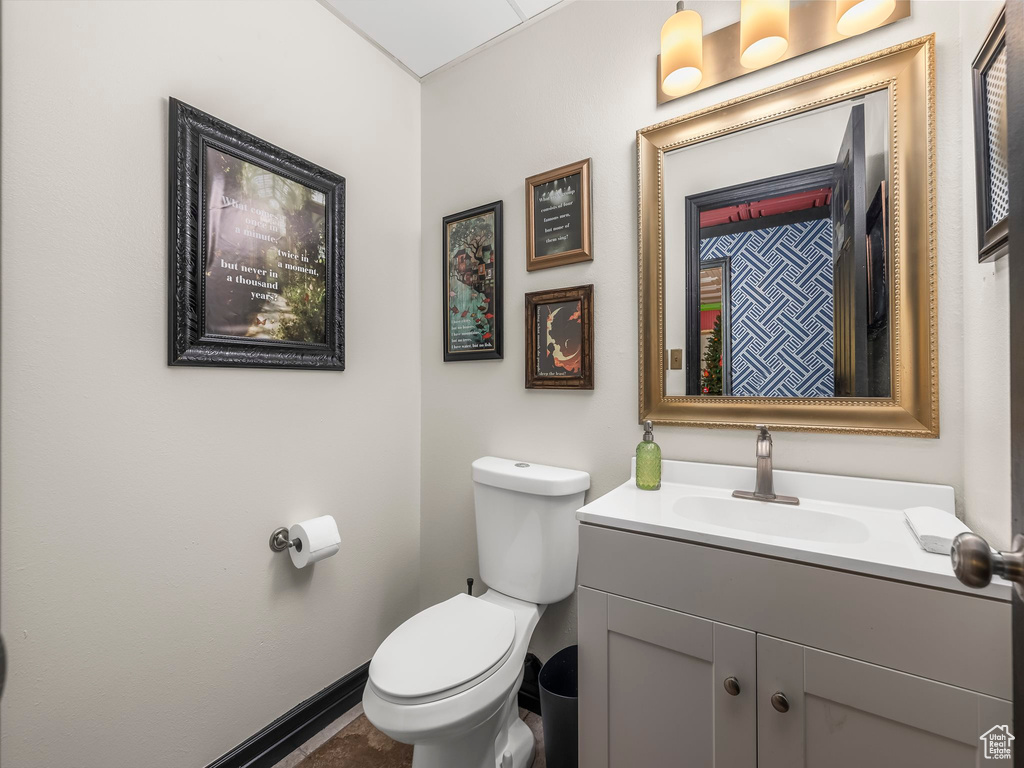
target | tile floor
x=352, y=742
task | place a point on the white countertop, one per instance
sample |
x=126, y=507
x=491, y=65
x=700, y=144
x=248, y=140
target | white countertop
x=872, y=538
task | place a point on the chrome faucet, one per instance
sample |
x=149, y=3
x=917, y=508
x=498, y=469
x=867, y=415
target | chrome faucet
x=764, y=484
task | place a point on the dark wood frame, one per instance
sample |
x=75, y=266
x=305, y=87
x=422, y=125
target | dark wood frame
x=498, y=307
x=583, y=294
x=586, y=251
x=774, y=186
x=993, y=236
x=191, y=132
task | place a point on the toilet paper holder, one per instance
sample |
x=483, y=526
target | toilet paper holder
x=279, y=541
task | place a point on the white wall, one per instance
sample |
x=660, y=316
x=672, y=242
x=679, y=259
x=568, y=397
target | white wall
x=986, y=336
x=578, y=85
x=146, y=620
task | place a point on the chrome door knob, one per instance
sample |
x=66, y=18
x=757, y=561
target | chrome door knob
x=975, y=562
x=780, y=702
x=732, y=686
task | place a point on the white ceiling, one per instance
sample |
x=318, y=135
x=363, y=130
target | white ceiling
x=424, y=35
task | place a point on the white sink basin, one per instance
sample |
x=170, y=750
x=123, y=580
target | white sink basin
x=802, y=522
x=849, y=523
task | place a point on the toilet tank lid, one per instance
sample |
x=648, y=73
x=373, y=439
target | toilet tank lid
x=525, y=477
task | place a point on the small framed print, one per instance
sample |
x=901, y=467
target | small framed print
x=558, y=228
x=257, y=251
x=992, y=188
x=472, y=249
x=560, y=338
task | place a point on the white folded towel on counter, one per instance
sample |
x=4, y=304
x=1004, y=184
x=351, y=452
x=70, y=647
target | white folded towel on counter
x=934, y=529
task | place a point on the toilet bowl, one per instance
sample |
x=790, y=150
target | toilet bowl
x=424, y=690
x=447, y=680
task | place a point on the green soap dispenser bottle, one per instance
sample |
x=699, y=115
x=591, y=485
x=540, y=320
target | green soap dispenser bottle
x=648, y=461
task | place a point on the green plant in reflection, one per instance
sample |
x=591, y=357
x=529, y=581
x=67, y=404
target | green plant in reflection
x=711, y=376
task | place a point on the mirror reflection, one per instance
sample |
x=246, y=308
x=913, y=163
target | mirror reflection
x=777, y=258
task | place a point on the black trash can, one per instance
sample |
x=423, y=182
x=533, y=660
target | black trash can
x=559, y=707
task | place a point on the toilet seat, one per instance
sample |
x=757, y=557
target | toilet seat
x=443, y=650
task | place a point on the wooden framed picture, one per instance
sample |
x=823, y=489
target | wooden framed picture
x=560, y=338
x=992, y=187
x=558, y=228
x=257, y=251
x=472, y=249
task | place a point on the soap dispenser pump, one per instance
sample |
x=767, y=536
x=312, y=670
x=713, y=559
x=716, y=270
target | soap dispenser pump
x=648, y=461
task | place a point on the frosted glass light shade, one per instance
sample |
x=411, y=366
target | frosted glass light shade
x=856, y=16
x=764, y=32
x=682, y=53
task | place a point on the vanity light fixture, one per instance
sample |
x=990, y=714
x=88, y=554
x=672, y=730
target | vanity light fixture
x=682, y=52
x=856, y=16
x=768, y=31
x=764, y=32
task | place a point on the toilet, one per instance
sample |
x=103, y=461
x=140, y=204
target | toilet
x=447, y=680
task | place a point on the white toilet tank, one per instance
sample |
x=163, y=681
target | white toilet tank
x=526, y=529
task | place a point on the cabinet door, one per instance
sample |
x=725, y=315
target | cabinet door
x=652, y=687
x=849, y=714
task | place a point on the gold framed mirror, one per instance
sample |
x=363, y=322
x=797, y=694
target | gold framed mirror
x=787, y=254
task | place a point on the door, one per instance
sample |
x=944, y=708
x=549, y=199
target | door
x=663, y=688
x=1015, y=137
x=819, y=710
x=849, y=249
x=973, y=562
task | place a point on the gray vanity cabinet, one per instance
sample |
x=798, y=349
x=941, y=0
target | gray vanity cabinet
x=842, y=713
x=870, y=673
x=663, y=688
x=652, y=689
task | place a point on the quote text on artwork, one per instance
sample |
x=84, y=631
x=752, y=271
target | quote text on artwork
x=261, y=224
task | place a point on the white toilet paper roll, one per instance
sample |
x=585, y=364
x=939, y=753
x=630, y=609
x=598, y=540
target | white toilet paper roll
x=318, y=538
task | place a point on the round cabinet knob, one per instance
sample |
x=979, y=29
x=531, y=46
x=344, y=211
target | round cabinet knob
x=972, y=560
x=780, y=702
x=732, y=686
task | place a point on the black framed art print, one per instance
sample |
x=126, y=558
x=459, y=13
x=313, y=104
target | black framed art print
x=257, y=251
x=992, y=187
x=472, y=264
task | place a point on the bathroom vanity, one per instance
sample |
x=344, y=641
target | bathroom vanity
x=722, y=632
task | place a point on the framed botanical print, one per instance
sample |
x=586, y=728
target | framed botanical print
x=472, y=250
x=257, y=251
x=992, y=187
x=560, y=338
x=558, y=227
